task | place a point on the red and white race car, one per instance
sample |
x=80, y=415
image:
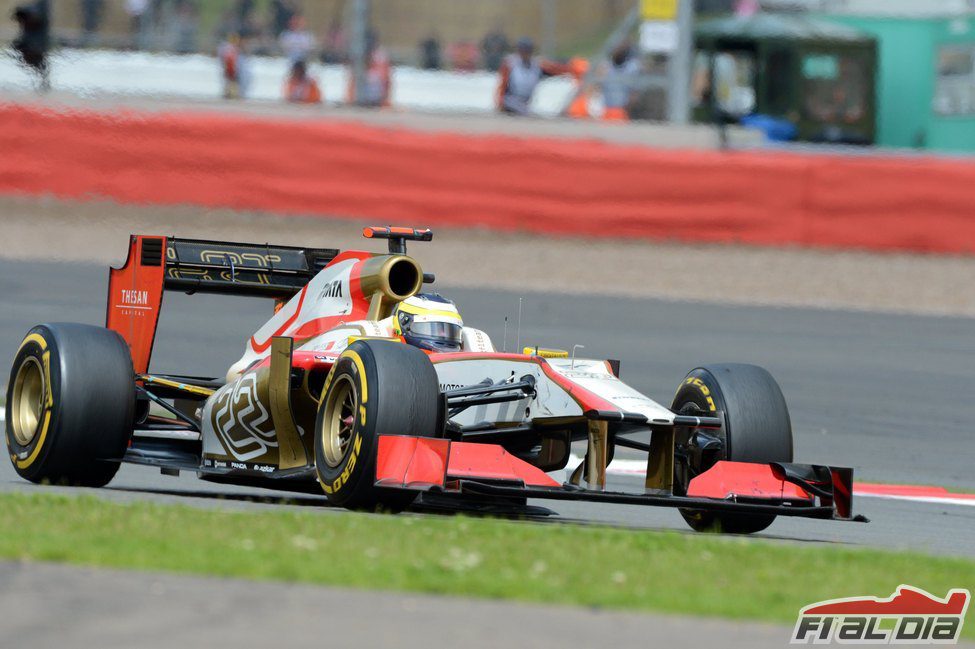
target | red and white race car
x=366, y=387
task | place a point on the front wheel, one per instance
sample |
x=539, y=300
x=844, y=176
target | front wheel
x=757, y=428
x=375, y=387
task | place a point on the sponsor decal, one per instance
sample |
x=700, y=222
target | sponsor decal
x=331, y=289
x=210, y=462
x=134, y=297
x=241, y=421
x=132, y=301
x=479, y=343
x=909, y=616
x=576, y=374
x=231, y=258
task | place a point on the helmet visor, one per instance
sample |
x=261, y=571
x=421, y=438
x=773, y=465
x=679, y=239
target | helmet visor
x=447, y=332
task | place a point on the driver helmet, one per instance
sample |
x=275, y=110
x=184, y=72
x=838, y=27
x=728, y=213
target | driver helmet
x=429, y=321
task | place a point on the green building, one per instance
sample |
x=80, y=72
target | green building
x=816, y=75
x=926, y=71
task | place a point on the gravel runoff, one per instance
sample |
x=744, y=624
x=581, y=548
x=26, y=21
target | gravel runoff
x=52, y=229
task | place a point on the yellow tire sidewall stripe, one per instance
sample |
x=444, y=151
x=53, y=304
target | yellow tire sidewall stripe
x=362, y=372
x=49, y=400
x=703, y=389
x=337, y=484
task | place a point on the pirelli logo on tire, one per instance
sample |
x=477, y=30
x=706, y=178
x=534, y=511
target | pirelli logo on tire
x=699, y=384
x=349, y=467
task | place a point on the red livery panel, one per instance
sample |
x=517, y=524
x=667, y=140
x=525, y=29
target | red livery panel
x=134, y=296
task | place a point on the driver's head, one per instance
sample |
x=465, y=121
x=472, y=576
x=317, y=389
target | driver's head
x=429, y=321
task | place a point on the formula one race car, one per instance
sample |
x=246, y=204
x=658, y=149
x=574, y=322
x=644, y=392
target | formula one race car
x=366, y=388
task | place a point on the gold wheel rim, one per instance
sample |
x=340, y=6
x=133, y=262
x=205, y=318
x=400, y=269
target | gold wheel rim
x=338, y=426
x=27, y=404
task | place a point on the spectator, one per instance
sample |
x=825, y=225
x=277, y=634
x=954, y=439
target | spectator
x=235, y=66
x=378, y=78
x=282, y=11
x=520, y=74
x=34, y=40
x=301, y=88
x=430, y=53
x=91, y=19
x=138, y=12
x=493, y=48
x=336, y=45
x=186, y=26
x=296, y=42
x=619, y=78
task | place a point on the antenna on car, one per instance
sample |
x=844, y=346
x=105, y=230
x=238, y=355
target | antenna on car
x=518, y=345
x=504, y=341
x=574, y=348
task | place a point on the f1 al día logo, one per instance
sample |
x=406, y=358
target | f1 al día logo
x=909, y=616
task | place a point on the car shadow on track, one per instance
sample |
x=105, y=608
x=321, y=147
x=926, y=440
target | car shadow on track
x=447, y=507
x=291, y=499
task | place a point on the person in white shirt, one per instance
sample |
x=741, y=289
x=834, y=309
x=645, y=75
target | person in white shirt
x=520, y=74
x=296, y=42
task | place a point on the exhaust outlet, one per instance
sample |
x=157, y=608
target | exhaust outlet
x=389, y=279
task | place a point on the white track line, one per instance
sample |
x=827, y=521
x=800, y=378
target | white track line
x=967, y=502
x=617, y=467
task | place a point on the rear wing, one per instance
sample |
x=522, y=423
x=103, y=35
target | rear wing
x=156, y=264
x=199, y=266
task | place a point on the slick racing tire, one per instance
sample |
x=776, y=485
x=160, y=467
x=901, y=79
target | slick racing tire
x=375, y=387
x=757, y=428
x=70, y=405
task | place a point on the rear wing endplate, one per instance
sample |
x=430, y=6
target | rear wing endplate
x=156, y=263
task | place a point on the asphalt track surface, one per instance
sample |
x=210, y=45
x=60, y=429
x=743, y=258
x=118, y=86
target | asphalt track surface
x=885, y=394
x=44, y=604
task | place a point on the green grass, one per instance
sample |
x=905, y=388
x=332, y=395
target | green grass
x=569, y=564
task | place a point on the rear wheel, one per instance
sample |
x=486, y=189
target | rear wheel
x=375, y=387
x=756, y=428
x=70, y=404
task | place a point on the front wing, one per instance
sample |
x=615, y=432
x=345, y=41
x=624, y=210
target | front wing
x=475, y=469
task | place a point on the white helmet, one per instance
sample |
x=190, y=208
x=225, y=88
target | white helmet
x=429, y=321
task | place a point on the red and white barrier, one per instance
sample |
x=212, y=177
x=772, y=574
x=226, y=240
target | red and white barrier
x=570, y=187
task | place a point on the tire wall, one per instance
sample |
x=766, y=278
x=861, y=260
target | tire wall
x=564, y=187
